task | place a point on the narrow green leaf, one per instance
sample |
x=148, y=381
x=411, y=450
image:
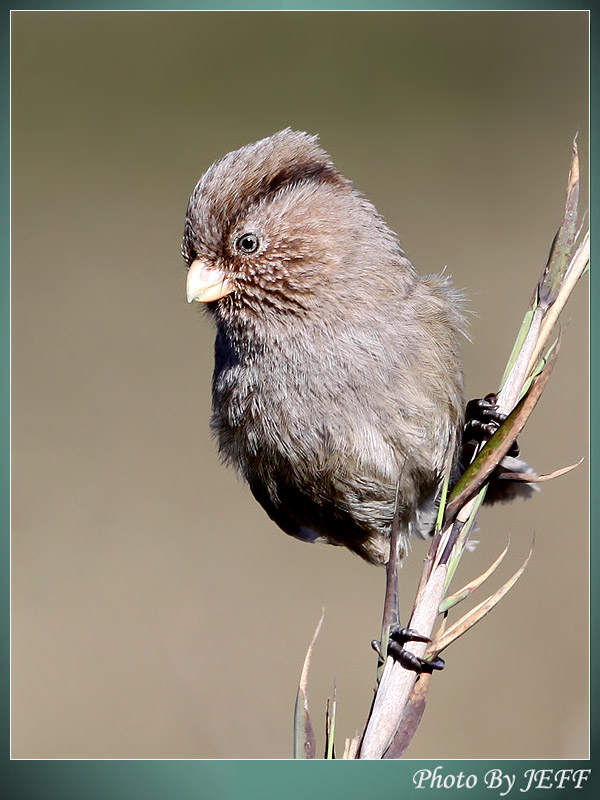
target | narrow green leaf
x=442, y=506
x=459, y=546
x=330, y=726
x=523, y=331
x=538, y=368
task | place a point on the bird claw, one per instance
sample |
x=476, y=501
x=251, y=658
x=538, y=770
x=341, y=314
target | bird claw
x=398, y=638
x=482, y=420
x=376, y=645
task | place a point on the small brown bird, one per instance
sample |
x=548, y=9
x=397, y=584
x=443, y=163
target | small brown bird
x=338, y=387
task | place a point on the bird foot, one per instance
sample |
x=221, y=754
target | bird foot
x=398, y=638
x=482, y=420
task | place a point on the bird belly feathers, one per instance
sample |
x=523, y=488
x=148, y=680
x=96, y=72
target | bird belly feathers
x=319, y=470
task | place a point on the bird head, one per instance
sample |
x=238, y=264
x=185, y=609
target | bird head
x=271, y=225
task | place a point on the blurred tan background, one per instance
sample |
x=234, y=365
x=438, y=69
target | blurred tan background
x=157, y=612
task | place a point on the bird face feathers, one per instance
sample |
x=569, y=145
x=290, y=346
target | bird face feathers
x=263, y=228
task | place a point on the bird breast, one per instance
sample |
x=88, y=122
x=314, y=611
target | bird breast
x=295, y=411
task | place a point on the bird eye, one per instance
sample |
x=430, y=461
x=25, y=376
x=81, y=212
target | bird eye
x=248, y=243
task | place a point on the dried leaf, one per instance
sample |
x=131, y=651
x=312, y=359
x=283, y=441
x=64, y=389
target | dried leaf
x=532, y=477
x=558, y=261
x=351, y=748
x=477, y=613
x=453, y=599
x=304, y=735
x=415, y=708
x=578, y=264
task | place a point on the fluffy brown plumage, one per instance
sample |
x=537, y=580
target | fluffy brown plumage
x=337, y=367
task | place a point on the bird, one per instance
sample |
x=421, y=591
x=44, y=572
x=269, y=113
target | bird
x=338, y=389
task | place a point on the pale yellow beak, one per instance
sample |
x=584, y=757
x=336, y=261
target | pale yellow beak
x=205, y=284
